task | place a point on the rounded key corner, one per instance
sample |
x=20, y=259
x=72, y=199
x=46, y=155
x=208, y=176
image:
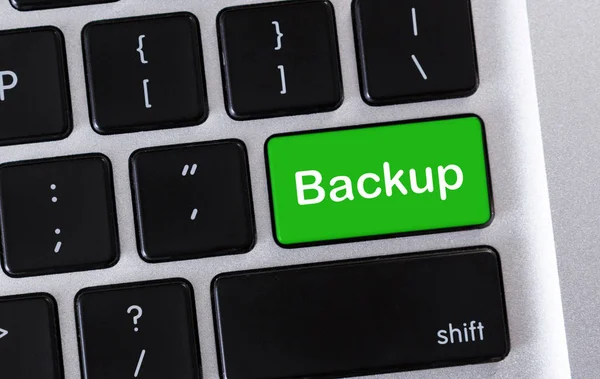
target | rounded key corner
x=288, y=246
x=200, y=118
x=473, y=89
x=239, y=144
x=135, y=155
x=184, y=284
x=222, y=13
x=104, y=158
x=335, y=105
x=56, y=31
x=329, y=5
x=14, y=4
x=113, y=261
x=189, y=15
x=148, y=258
x=370, y=100
x=10, y=272
x=235, y=116
x=99, y=129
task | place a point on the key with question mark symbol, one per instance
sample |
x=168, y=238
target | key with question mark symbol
x=137, y=316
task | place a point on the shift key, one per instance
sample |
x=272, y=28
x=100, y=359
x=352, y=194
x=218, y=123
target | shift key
x=362, y=317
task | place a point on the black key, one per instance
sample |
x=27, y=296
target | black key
x=280, y=59
x=34, y=88
x=145, y=73
x=192, y=201
x=362, y=317
x=139, y=330
x=29, y=338
x=31, y=5
x=58, y=215
x=414, y=50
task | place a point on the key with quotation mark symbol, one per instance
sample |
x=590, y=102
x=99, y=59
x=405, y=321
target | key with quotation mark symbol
x=192, y=172
x=192, y=201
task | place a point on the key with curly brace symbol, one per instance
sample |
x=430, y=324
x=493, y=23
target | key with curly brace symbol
x=140, y=49
x=279, y=34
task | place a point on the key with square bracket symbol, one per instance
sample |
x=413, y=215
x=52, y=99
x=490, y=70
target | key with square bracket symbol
x=280, y=59
x=145, y=73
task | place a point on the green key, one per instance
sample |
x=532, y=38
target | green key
x=379, y=181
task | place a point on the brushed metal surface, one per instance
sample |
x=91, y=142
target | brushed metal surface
x=506, y=100
x=566, y=54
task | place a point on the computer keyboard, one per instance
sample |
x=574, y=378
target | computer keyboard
x=242, y=189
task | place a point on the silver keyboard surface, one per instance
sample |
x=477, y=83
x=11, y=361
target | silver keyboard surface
x=506, y=100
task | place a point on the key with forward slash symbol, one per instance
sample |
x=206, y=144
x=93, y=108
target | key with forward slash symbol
x=139, y=330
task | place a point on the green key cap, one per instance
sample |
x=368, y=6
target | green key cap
x=379, y=181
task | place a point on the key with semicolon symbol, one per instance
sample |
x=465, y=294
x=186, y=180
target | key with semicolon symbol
x=58, y=215
x=139, y=330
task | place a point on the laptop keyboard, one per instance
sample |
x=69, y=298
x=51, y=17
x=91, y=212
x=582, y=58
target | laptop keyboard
x=194, y=200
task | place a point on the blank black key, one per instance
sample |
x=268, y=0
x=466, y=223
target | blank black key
x=145, y=73
x=29, y=338
x=34, y=88
x=57, y=215
x=31, y=5
x=414, y=50
x=139, y=330
x=280, y=59
x=362, y=317
x=193, y=201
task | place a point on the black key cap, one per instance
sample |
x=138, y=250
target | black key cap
x=414, y=50
x=58, y=215
x=140, y=330
x=31, y=5
x=362, y=317
x=145, y=73
x=192, y=201
x=280, y=59
x=29, y=338
x=34, y=88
